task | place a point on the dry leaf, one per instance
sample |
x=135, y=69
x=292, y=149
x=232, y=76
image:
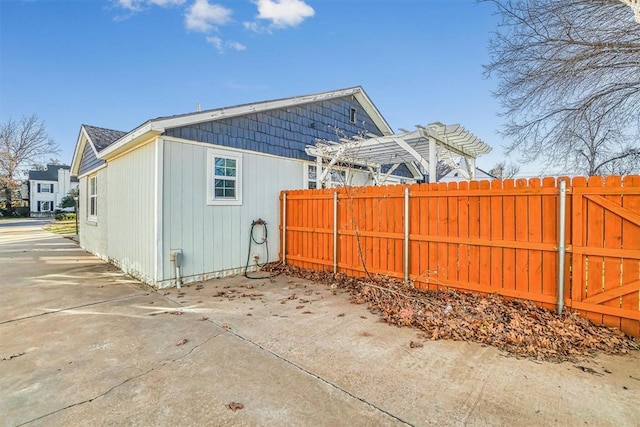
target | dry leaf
x=366, y=334
x=414, y=344
x=518, y=327
x=13, y=356
x=234, y=406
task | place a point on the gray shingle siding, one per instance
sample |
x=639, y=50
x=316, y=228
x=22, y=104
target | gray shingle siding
x=89, y=160
x=284, y=132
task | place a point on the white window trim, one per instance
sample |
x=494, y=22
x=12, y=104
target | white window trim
x=353, y=115
x=331, y=183
x=42, y=186
x=211, y=155
x=42, y=204
x=92, y=217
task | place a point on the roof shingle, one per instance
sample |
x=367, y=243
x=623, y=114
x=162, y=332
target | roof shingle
x=102, y=137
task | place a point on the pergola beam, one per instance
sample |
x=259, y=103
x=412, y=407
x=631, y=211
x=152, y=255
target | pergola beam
x=422, y=146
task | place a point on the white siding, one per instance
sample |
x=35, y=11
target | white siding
x=215, y=239
x=131, y=218
x=93, y=235
x=61, y=188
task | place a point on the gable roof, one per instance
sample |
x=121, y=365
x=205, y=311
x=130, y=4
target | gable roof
x=98, y=139
x=107, y=142
x=102, y=137
x=49, y=174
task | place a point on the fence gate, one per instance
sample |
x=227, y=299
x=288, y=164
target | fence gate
x=605, y=268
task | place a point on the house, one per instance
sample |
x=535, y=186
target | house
x=462, y=174
x=176, y=197
x=48, y=187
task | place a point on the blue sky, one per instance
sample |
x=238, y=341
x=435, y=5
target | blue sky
x=116, y=64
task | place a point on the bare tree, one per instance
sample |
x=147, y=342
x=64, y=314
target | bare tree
x=502, y=170
x=22, y=143
x=569, y=81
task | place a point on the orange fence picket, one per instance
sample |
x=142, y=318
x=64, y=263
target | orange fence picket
x=488, y=237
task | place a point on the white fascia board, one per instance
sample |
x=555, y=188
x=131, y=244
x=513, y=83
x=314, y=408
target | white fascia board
x=241, y=110
x=92, y=171
x=373, y=112
x=122, y=143
x=81, y=143
x=75, y=162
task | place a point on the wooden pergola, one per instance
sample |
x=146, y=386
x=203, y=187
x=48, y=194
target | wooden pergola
x=423, y=148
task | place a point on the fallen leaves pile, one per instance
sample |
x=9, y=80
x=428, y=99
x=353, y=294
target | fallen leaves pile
x=515, y=326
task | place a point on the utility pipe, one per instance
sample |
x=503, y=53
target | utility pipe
x=406, y=235
x=335, y=232
x=561, y=243
x=284, y=228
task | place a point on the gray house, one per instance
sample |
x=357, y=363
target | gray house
x=194, y=183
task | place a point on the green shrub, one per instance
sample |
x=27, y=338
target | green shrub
x=65, y=216
x=22, y=211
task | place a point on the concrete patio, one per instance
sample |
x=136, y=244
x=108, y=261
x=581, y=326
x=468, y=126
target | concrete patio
x=82, y=344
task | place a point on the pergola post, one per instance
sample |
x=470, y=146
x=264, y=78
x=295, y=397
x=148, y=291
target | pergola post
x=432, y=160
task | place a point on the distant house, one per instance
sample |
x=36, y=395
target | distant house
x=459, y=175
x=194, y=183
x=48, y=187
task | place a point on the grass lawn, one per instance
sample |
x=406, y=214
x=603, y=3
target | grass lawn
x=62, y=227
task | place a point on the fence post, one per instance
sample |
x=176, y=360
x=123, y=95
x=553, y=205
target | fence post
x=406, y=236
x=561, y=243
x=284, y=228
x=335, y=232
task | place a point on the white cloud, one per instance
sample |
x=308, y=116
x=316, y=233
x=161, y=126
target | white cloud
x=283, y=13
x=221, y=45
x=137, y=5
x=256, y=27
x=203, y=16
x=236, y=45
x=217, y=42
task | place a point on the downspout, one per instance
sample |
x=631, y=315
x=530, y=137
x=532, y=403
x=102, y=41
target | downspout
x=561, y=243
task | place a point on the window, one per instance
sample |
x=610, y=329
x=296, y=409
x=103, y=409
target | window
x=353, y=115
x=338, y=177
x=224, y=178
x=45, y=188
x=93, y=198
x=45, y=206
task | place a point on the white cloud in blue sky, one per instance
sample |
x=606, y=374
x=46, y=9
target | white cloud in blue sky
x=222, y=45
x=282, y=13
x=138, y=5
x=94, y=61
x=205, y=17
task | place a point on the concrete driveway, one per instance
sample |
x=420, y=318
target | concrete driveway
x=82, y=344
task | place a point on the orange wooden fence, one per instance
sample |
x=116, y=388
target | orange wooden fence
x=487, y=236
